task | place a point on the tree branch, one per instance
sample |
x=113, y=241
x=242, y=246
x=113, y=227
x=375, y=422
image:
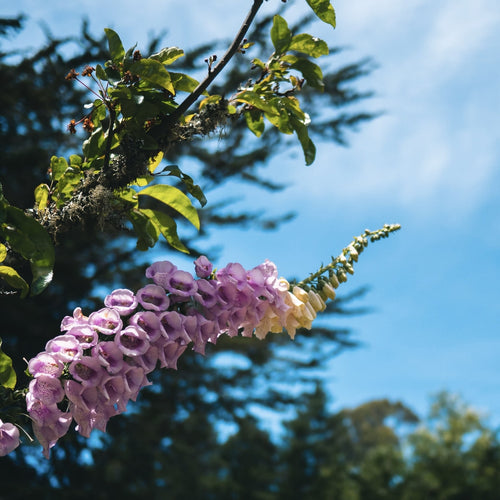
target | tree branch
x=212, y=74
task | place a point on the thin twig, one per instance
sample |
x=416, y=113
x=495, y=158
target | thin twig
x=231, y=51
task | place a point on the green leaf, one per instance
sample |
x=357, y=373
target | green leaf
x=129, y=195
x=75, y=161
x=172, y=198
x=168, y=55
x=58, y=166
x=129, y=56
x=100, y=73
x=282, y=120
x=144, y=180
x=192, y=188
x=7, y=374
x=255, y=121
x=324, y=10
x=155, y=161
x=3, y=252
x=258, y=101
x=307, y=144
x=310, y=71
x=133, y=104
x=67, y=184
x=146, y=231
x=115, y=45
x=153, y=72
x=29, y=238
x=309, y=45
x=292, y=105
x=183, y=82
x=213, y=99
x=258, y=63
x=42, y=197
x=281, y=36
x=12, y=277
x=167, y=227
x=92, y=146
x=113, y=74
x=98, y=114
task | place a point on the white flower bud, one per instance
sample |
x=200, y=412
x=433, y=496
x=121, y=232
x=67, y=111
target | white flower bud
x=300, y=293
x=354, y=253
x=316, y=301
x=334, y=280
x=328, y=291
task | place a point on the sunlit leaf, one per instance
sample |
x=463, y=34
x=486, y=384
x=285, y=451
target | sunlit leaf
x=281, y=120
x=91, y=147
x=129, y=195
x=12, y=277
x=75, y=160
x=258, y=101
x=281, y=36
x=100, y=73
x=307, y=144
x=147, y=233
x=29, y=238
x=8, y=376
x=3, y=252
x=144, y=180
x=259, y=64
x=155, y=161
x=98, y=113
x=183, y=82
x=67, y=184
x=310, y=71
x=213, y=99
x=292, y=105
x=42, y=196
x=171, y=197
x=255, y=121
x=168, y=55
x=167, y=227
x=115, y=45
x=58, y=166
x=309, y=45
x=324, y=10
x=153, y=72
x=192, y=188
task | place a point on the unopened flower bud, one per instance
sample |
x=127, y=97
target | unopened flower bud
x=334, y=280
x=316, y=301
x=301, y=294
x=349, y=268
x=341, y=275
x=309, y=312
x=328, y=291
x=354, y=253
x=283, y=285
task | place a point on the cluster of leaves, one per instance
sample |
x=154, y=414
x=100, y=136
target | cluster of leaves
x=135, y=117
x=132, y=92
x=26, y=238
x=267, y=98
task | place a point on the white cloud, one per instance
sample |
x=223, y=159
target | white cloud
x=436, y=149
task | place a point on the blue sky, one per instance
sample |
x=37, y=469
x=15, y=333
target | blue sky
x=431, y=163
